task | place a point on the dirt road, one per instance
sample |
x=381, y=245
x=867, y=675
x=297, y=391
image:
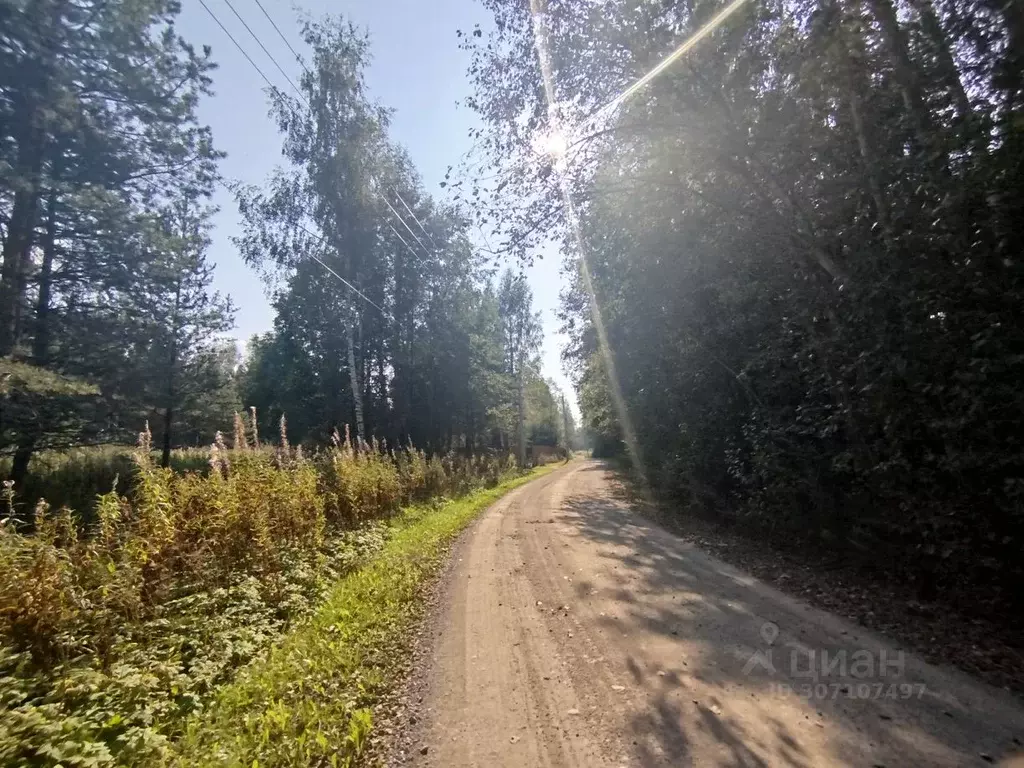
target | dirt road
x=571, y=632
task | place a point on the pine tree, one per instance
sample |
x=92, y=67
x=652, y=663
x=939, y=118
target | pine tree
x=98, y=101
x=181, y=360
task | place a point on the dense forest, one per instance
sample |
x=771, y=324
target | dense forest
x=795, y=256
x=425, y=345
x=387, y=318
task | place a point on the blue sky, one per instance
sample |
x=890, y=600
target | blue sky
x=417, y=69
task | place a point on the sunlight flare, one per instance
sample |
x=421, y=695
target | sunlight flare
x=552, y=144
x=555, y=145
x=678, y=53
x=539, y=21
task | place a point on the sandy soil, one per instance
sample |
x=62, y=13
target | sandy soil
x=570, y=631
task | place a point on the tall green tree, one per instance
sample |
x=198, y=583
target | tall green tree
x=520, y=324
x=521, y=336
x=323, y=206
x=181, y=363
x=97, y=108
x=94, y=95
x=386, y=318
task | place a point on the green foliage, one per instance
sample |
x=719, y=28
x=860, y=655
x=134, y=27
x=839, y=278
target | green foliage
x=598, y=410
x=101, y=293
x=185, y=369
x=800, y=240
x=28, y=379
x=432, y=356
x=74, y=478
x=148, y=584
x=361, y=484
x=31, y=395
x=111, y=636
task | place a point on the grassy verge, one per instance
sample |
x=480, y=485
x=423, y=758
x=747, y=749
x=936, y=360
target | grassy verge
x=309, y=702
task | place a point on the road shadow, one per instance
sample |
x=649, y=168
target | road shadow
x=667, y=591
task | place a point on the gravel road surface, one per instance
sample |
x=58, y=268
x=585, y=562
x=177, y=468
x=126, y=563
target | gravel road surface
x=572, y=632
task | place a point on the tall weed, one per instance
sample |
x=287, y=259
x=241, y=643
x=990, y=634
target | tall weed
x=116, y=627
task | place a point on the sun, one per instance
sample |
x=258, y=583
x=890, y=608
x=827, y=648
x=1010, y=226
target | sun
x=553, y=144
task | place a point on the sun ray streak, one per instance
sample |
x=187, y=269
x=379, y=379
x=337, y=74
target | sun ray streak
x=539, y=17
x=678, y=53
x=543, y=54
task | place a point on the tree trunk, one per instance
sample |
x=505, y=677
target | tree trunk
x=906, y=72
x=852, y=49
x=874, y=184
x=165, y=457
x=41, y=339
x=19, y=464
x=565, y=425
x=366, y=377
x=357, y=392
x=18, y=246
x=521, y=418
x=30, y=124
x=933, y=29
x=1011, y=68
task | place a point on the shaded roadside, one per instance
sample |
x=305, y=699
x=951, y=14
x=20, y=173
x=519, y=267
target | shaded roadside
x=989, y=646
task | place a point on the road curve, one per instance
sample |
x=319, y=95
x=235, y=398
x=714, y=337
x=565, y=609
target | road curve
x=572, y=632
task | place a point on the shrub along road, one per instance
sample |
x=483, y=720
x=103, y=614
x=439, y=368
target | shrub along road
x=574, y=632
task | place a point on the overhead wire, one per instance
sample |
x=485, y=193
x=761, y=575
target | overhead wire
x=418, y=222
x=239, y=47
x=404, y=223
x=323, y=240
x=264, y=48
x=281, y=35
x=404, y=241
x=359, y=293
x=304, y=67
x=273, y=87
x=277, y=90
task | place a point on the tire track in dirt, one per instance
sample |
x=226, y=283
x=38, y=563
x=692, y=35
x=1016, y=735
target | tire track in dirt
x=651, y=663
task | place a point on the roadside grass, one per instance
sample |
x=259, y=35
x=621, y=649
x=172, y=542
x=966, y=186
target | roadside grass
x=309, y=702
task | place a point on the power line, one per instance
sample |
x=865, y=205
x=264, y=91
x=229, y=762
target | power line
x=239, y=47
x=261, y=45
x=303, y=65
x=275, y=88
x=404, y=224
x=323, y=241
x=242, y=50
x=321, y=238
x=359, y=293
x=422, y=228
x=281, y=35
x=404, y=241
x=301, y=96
